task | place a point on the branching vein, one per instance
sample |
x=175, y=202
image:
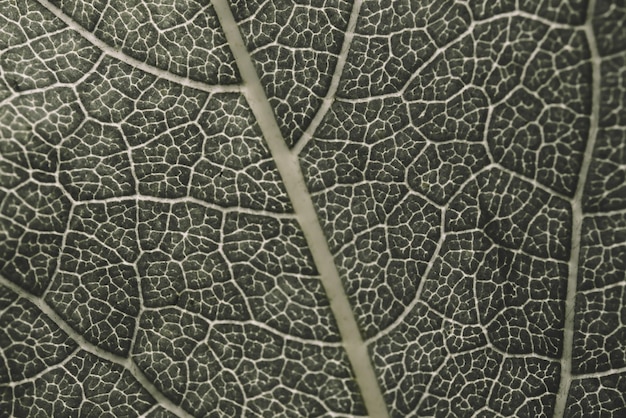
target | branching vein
x=117, y=54
x=334, y=83
x=577, y=220
x=289, y=169
x=85, y=345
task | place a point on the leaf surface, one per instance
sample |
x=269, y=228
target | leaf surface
x=312, y=208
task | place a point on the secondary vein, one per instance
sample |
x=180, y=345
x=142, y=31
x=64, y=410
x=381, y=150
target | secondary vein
x=87, y=346
x=577, y=220
x=334, y=83
x=117, y=54
x=289, y=169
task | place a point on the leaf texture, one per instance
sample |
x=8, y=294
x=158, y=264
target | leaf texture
x=312, y=208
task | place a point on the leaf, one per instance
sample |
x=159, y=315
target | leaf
x=312, y=208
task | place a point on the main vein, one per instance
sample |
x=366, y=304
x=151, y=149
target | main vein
x=117, y=54
x=577, y=219
x=87, y=346
x=289, y=168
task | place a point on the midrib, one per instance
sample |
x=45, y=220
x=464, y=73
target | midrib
x=289, y=169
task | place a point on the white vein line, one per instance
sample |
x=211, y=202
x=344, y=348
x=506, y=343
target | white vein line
x=598, y=375
x=606, y=213
x=113, y=52
x=254, y=323
x=153, y=408
x=289, y=168
x=420, y=288
x=87, y=346
x=329, y=99
x=577, y=219
x=604, y=288
x=431, y=263
x=40, y=374
x=139, y=198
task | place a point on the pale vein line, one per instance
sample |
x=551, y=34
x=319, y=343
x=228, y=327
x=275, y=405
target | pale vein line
x=254, y=323
x=431, y=263
x=607, y=213
x=115, y=53
x=289, y=169
x=43, y=372
x=334, y=83
x=441, y=50
x=598, y=375
x=87, y=346
x=605, y=288
x=577, y=219
x=139, y=198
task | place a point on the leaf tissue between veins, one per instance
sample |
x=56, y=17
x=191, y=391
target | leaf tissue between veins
x=323, y=208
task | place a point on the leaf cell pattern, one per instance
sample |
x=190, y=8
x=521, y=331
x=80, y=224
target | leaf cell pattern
x=479, y=116
x=466, y=162
x=295, y=47
x=183, y=38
